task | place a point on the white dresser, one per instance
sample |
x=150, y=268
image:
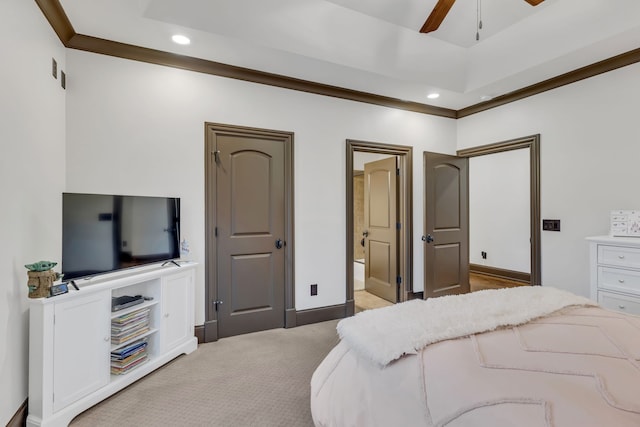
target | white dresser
x=615, y=272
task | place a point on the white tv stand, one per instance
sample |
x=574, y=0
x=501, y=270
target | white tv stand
x=70, y=338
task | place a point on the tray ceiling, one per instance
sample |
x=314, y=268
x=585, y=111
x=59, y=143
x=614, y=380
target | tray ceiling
x=375, y=46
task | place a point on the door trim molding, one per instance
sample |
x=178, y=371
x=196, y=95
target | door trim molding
x=405, y=261
x=531, y=142
x=211, y=130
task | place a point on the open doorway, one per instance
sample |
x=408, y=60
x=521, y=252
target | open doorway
x=446, y=215
x=375, y=215
x=512, y=169
x=379, y=182
x=499, y=218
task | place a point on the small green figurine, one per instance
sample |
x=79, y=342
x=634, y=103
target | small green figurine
x=41, y=266
x=41, y=278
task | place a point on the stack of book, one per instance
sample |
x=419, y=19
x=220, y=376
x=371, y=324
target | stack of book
x=129, y=326
x=128, y=357
x=127, y=331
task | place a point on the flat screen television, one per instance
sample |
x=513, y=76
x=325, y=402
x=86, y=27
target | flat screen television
x=103, y=233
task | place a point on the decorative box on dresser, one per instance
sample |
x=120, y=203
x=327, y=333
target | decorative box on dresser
x=615, y=272
x=72, y=340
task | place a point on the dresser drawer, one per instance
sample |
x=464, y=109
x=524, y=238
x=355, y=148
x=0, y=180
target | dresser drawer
x=617, y=279
x=622, y=303
x=619, y=256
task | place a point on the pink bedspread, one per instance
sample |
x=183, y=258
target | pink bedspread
x=577, y=367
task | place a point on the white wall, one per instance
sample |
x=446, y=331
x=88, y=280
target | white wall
x=499, y=210
x=590, y=148
x=137, y=128
x=32, y=162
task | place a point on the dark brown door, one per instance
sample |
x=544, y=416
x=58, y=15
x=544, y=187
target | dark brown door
x=381, y=233
x=446, y=239
x=250, y=227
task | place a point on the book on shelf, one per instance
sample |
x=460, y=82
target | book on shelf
x=119, y=339
x=123, y=361
x=129, y=326
x=128, y=357
x=128, y=349
x=121, y=330
x=119, y=370
x=131, y=317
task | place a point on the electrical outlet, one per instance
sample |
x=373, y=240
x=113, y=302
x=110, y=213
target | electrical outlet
x=484, y=255
x=54, y=68
x=314, y=289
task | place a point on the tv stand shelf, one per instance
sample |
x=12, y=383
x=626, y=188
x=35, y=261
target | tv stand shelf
x=125, y=343
x=70, y=338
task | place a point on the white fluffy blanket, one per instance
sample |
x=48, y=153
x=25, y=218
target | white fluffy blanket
x=385, y=334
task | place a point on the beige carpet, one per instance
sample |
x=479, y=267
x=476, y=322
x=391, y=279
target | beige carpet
x=259, y=379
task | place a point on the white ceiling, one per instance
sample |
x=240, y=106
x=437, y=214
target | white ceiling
x=375, y=45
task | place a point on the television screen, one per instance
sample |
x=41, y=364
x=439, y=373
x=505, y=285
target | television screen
x=103, y=233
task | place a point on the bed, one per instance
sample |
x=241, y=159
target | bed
x=529, y=356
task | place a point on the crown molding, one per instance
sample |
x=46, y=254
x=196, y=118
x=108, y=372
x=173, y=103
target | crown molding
x=158, y=57
x=604, y=66
x=55, y=14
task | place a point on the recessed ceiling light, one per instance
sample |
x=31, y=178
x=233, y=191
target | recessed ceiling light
x=180, y=39
x=433, y=95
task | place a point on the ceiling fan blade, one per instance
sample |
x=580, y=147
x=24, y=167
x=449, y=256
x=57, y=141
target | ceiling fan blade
x=437, y=15
x=534, y=2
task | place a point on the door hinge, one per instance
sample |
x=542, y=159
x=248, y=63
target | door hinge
x=398, y=171
x=216, y=304
x=216, y=156
x=398, y=226
x=215, y=232
x=398, y=279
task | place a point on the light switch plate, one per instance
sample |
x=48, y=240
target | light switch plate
x=551, y=224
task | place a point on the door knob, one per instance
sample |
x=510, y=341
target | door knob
x=428, y=238
x=279, y=244
x=365, y=233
